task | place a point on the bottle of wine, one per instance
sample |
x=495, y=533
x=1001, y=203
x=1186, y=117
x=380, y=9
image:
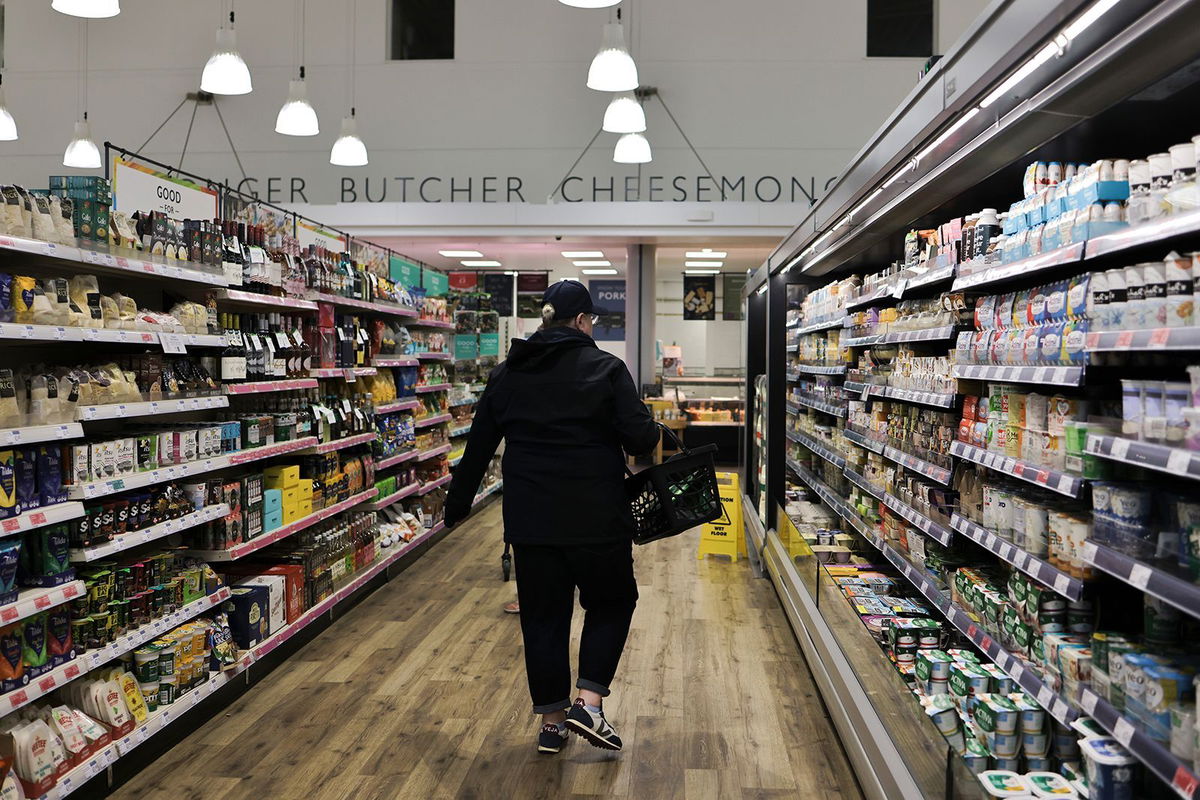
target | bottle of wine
x=233, y=357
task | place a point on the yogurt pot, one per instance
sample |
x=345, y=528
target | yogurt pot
x=1111, y=770
x=1010, y=765
x=1035, y=745
x=1050, y=784
x=1004, y=783
x=1037, y=764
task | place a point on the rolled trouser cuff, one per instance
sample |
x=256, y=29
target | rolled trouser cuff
x=592, y=686
x=550, y=708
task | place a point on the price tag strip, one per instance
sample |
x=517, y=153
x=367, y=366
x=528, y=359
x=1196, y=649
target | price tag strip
x=924, y=398
x=38, y=518
x=429, y=487
x=820, y=405
x=342, y=444
x=384, y=502
x=260, y=387
x=916, y=518
x=399, y=458
x=150, y=408
x=1171, y=460
x=32, y=601
x=393, y=361
x=437, y=387
x=434, y=420
x=402, y=405
x=822, y=370
x=1057, y=376
x=819, y=449
x=437, y=451
x=1180, y=593
x=925, y=335
x=939, y=474
x=1066, y=585
x=1054, y=480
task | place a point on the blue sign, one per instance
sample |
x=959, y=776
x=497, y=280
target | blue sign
x=609, y=295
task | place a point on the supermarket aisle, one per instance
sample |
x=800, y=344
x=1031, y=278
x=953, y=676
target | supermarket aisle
x=420, y=692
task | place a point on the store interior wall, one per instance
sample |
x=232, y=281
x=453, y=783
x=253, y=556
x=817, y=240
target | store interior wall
x=708, y=345
x=752, y=96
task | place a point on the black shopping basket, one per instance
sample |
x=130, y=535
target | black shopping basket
x=676, y=495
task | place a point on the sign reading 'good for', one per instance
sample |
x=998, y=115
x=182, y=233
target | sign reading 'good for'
x=139, y=188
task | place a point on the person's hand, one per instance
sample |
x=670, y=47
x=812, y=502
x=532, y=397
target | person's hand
x=454, y=515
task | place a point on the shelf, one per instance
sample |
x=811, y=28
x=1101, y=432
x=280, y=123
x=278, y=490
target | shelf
x=1055, y=481
x=465, y=429
x=86, y=491
x=715, y=424
x=391, y=499
x=436, y=387
x=270, y=538
x=1171, y=460
x=430, y=323
x=491, y=490
x=392, y=461
x=454, y=461
x=400, y=405
x=1147, y=233
x=259, y=387
x=1179, y=592
x=60, y=676
x=924, y=398
x=940, y=474
x=821, y=405
x=342, y=444
x=434, y=453
x=901, y=284
x=792, y=348
x=434, y=356
x=1156, y=340
x=1157, y=757
x=862, y=341
x=818, y=448
x=59, y=333
x=426, y=488
x=150, y=408
x=256, y=300
x=464, y=401
x=820, y=326
x=1033, y=566
x=878, y=293
x=702, y=381
x=40, y=518
x=342, y=372
x=1054, y=376
x=818, y=486
x=874, y=445
x=1070, y=254
x=377, y=306
x=924, y=335
x=840, y=369
x=854, y=390
x=394, y=361
x=127, y=541
x=924, y=524
x=437, y=419
x=117, y=259
x=863, y=483
x=77, y=776
x=41, y=433
x=33, y=601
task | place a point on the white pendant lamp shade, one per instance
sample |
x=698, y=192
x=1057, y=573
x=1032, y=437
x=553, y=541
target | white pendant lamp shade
x=613, y=69
x=589, y=3
x=226, y=72
x=624, y=115
x=8, y=125
x=348, y=150
x=89, y=9
x=632, y=148
x=297, y=117
x=82, y=152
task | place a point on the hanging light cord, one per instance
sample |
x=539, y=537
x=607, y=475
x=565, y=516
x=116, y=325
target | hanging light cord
x=353, y=53
x=303, y=33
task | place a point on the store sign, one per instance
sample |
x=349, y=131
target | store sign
x=489, y=344
x=731, y=290
x=531, y=287
x=466, y=347
x=136, y=187
x=436, y=284
x=700, y=297
x=310, y=233
x=404, y=272
x=464, y=281
x=500, y=287
x=609, y=295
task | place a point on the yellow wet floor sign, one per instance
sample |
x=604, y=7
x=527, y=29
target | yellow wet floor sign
x=725, y=536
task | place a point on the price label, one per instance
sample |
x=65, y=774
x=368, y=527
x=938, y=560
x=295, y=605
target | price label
x=1179, y=460
x=1120, y=447
x=1093, y=339
x=1061, y=583
x=1017, y=671
x=972, y=630
x=47, y=683
x=1018, y=469
x=38, y=518
x=9, y=613
x=1006, y=552
x=172, y=343
x=71, y=672
x=42, y=601
x=10, y=525
x=1088, y=552
x=1159, y=337
x=1087, y=702
x=1139, y=576
x=1066, y=484
x=147, y=266
x=1043, y=476
x=985, y=643
x=1185, y=782
x=1039, y=374
x=1123, y=731
x=1045, y=695
x=1124, y=340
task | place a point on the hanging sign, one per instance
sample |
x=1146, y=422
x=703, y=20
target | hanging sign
x=404, y=272
x=370, y=257
x=136, y=187
x=466, y=347
x=610, y=296
x=731, y=302
x=531, y=287
x=464, y=281
x=699, y=297
x=436, y=283
x=310, y=233
x=489, y=344
x=500, y=287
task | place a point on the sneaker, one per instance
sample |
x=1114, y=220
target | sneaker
x=552, y=738
x=512, y=608
x=592, y=726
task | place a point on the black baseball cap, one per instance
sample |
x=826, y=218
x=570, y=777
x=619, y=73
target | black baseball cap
x=571, y=298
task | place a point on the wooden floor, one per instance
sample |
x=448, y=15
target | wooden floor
x=420, y=692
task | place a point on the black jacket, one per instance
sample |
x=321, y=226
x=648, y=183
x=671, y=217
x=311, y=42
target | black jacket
x=566, y=409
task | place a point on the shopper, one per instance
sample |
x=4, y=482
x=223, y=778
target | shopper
x=566, y=409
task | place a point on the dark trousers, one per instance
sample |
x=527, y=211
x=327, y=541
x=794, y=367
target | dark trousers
x=547, y=576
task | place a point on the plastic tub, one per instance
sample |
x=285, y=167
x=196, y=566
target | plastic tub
x=1111, y=770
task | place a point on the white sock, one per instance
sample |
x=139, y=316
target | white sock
x=593, y=709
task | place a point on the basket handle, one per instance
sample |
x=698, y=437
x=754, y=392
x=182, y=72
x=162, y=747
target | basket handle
x=684, y=451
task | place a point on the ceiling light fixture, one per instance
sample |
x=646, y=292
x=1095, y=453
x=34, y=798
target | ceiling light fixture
x=702, y=272
x=632, y=148
x=705, y=253
x=600, y=263
x=82, y=152
x=589, y=3
x=349, y=150
x=226, y=71
x=762, y=289
x=89, y=9
x=582, y=254
x=297, y=117
x=1086, y=19
x=513, y=273
x=8, y=125
x=460, y=253
x=624, y=115
x=612, y=69
x=963, y=120
x=599, y=271
x=1028, y=68
x=480, y=263
x=703, y=264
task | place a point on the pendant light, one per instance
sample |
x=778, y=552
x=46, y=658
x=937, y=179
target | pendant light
x=624, y=115
x=349, y=150
x=632, y=148
x=8, y=125
x=589, y=3
x=82, y=152
x=297, y=117
x=613, y=69
x=91, y=9
x=226, y=71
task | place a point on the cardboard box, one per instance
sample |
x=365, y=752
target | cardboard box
x=272, y=520
x=272, y=501
x=282, y=477
x=249, y=610
x=276, y=586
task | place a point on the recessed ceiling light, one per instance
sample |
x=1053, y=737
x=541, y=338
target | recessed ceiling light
x=702, y=264
x=460, y=253
x=598, y=271
x=582, y=254
x=705, y=253
x=702, y=272
x=592, y=263
x=480, y=263
x=512, y=272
